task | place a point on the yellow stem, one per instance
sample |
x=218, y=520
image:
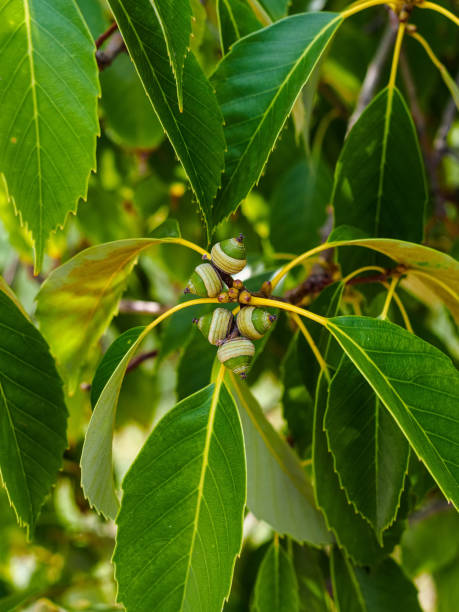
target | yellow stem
x=191, y=245
x=389, y=296
x=356, y=307
x=256, y=301
x=440, y=9
x=396, y=56
x=175, y=309
x=347, y=278
x=282, y=256
x=402, y=309
x=314, y=348
x=361, y=6
x=428, y=49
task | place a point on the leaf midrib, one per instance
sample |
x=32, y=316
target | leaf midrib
x=273, y=101
x=33, y=89
x=416, y=424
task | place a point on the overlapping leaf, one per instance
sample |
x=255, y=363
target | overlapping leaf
x=417, y=383
x=369, y=450
x=33, y=416
x=78, y=300
x=257, y=83
x=378, y=589
x=235, y=20
x=380, y=184
x=174, y=17
x=278, y=490
x=48, y=123
x=180, y=523
x=196, y=133
x=276, y=587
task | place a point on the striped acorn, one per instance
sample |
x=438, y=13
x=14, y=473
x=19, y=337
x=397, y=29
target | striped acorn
x=254, y=322
x=215, y=325
x=237, y=354
x=229, y=255
x=205, y=281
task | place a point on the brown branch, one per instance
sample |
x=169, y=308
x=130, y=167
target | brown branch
x=103, y=37
x=114, y=48
x=136, y=361
x=141, y=307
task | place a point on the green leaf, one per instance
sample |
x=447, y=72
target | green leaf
x=257, y=83
x=96, y=457
x=370, y=452
x=275, y=8
x=122, y=91
x=417, y=383
x=377, y=589
x=174, y=17
x=48, y=123
x=430, y=544
x=385, y=587
x=352, y=531
x=380, y=184
x=196, y=133
x=276, y=587
x=78, y=300
x=33, y=416
x=235, y=20
x=346, y=590
x=311, y=567
x=427, y=270
x=298, y=207
x=278, y=490
x=180, y=523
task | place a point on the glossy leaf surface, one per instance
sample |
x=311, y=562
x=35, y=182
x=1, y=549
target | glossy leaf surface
x=196, y=133
x=417, y=383
x=33, y=416
x=276, y=587
x=48, y=123
x=180, y=523
x=257, y=83
x=235, y=20
x=278, y=490
x=380, y=185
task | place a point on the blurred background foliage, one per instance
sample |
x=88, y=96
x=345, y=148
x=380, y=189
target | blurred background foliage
x=139, y=185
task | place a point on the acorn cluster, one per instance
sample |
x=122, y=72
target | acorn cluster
x=232, y=335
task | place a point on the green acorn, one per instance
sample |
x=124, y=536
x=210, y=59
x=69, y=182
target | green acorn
x=229, y=255
x=215, y=325
x=205, y=281
x=254, y=322
x=237, y=354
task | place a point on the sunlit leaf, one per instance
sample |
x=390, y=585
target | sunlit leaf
x=180, y=523
x=235, y=20
x=78, y=300
x=48, y=123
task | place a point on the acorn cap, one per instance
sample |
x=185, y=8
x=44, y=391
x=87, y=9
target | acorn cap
x=229, y=255
x=205, y=281
x=237, y=354
x=254, y=322
x=216, y=325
